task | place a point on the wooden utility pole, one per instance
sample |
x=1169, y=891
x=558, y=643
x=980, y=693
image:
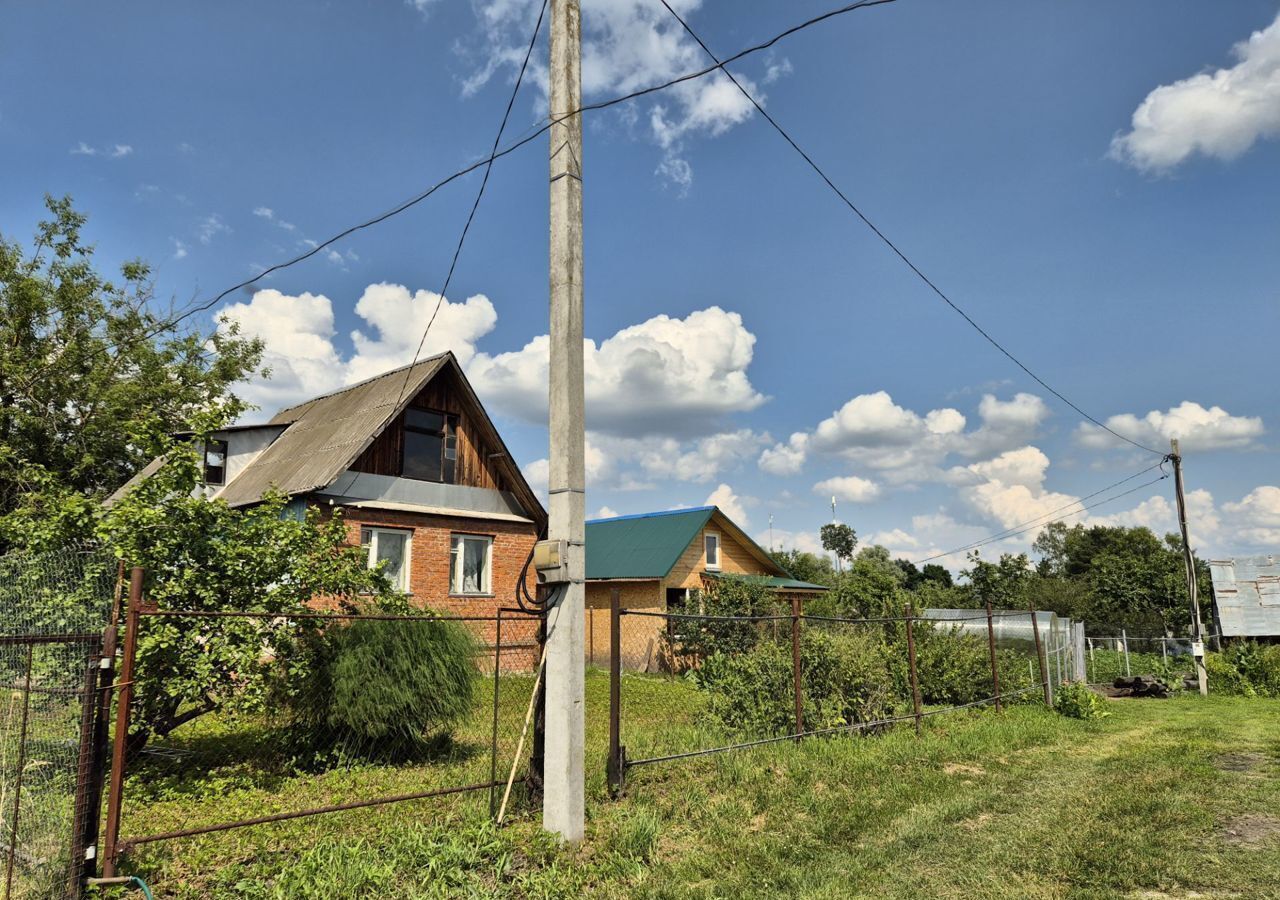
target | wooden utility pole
x=1189, y=561
x=563, y=800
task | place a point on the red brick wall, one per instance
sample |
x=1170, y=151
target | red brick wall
x=429, y=550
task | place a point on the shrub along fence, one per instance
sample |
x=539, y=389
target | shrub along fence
x=781, y=676
x=312, y=712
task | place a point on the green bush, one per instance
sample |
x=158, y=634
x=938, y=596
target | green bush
x=703, y=638
x=845, y=679
x=1077, y=701
x=1246, y=668
x=953, y=668
x=384, y=688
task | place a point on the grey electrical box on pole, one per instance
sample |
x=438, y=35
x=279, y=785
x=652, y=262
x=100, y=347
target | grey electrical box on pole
x=1189, y=561
x=563, y=800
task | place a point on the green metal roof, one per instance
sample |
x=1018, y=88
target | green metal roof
x=644, y=546
x=773, y=581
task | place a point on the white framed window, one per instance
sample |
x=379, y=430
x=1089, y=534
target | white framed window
x=392, y=546
x=471, y=564
x=712, y=541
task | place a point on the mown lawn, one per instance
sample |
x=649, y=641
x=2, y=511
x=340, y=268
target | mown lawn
x=1177, y=798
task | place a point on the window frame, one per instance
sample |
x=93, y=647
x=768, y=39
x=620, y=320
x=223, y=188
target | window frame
x=457, y=541
x=707, y=537
x=372, y=555
x=448, y=443
x=210, y=446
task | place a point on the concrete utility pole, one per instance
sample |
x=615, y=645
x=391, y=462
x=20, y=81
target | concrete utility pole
x=563, y=803
x=1197, y=630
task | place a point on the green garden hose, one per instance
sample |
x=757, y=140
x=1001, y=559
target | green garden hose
x=142, y=886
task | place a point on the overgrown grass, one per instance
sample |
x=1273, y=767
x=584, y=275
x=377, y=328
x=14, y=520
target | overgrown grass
x=1021, y=804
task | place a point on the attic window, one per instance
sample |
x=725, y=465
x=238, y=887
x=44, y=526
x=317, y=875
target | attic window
x=713, y=551
x=215, y=462
x=430, y=446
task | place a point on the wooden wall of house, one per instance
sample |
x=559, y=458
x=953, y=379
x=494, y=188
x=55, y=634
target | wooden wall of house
x=735, y=559
x=474, y=467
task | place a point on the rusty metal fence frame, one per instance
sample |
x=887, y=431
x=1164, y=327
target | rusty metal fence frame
x=89, y=746
x=61, y=663
x=115, y=846
x=618, y=764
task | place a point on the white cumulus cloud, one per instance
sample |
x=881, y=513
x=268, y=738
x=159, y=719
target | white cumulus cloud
x=1220, y=114
x=1197, y=428
x=730, y=504
x=627, y=45
x=667, y=376
x=848, y=487
x=1255, y=518
x=298, y=333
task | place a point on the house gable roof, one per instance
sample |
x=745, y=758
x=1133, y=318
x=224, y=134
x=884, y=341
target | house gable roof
x=326, y=434
x=649, y=545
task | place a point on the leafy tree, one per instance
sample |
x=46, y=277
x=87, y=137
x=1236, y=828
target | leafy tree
x=92, y=378
x=1120, y=577
x=204, y=556
x=840, y=539
x=1004, y=584
x=937, y=574
x=805, y=566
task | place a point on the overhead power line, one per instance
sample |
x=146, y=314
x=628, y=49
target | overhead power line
x=885, y=239
x=462, y=238
x=490, y=159
x=1047, y=519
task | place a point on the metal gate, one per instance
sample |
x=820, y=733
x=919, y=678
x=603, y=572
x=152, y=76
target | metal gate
x=52, y=732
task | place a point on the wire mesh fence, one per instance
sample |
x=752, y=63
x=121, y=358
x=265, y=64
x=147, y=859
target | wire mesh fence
x=1170, y=659
x=241, y=719
x=752, y=680
x=54, y=608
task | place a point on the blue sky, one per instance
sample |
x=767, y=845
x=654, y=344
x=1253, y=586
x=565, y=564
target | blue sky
x=1095, y=183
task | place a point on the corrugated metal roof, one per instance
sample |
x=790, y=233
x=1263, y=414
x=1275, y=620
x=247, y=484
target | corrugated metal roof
x=327, y=433
x=774, y=581
x=643, y=546
x=1246, y=592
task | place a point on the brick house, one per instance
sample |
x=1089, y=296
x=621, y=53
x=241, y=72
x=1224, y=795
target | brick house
x=419, y=472
x=658, y=562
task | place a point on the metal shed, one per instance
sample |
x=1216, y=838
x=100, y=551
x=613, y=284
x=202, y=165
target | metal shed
x=1246, y=596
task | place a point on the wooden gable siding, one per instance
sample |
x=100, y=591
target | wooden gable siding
x=735, y=559
x=474, y=467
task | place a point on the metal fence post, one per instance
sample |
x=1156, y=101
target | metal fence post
x=22, y=765
x=115, y=793
x=1124, y=638
x=911, y=666
x=991, y=650
x=493, y=742
x=795, y=665
x=1044, y=669
x=613, y=765
x=81, y=816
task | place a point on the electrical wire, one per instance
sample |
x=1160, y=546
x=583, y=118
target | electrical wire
x=1052, y=512
x=890, y=244
x=1031, y=526
x=486, y=161
x=462, y=238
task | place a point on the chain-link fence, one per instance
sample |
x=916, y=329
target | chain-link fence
x=687, y=684
x=53, y=610
x=242, y=719
x=1108, y=657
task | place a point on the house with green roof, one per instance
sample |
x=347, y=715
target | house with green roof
x=654, y=560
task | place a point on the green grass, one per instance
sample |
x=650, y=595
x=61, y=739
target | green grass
x=1020, y=804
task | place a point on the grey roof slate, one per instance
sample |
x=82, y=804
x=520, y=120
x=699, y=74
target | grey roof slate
x=327, y=433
